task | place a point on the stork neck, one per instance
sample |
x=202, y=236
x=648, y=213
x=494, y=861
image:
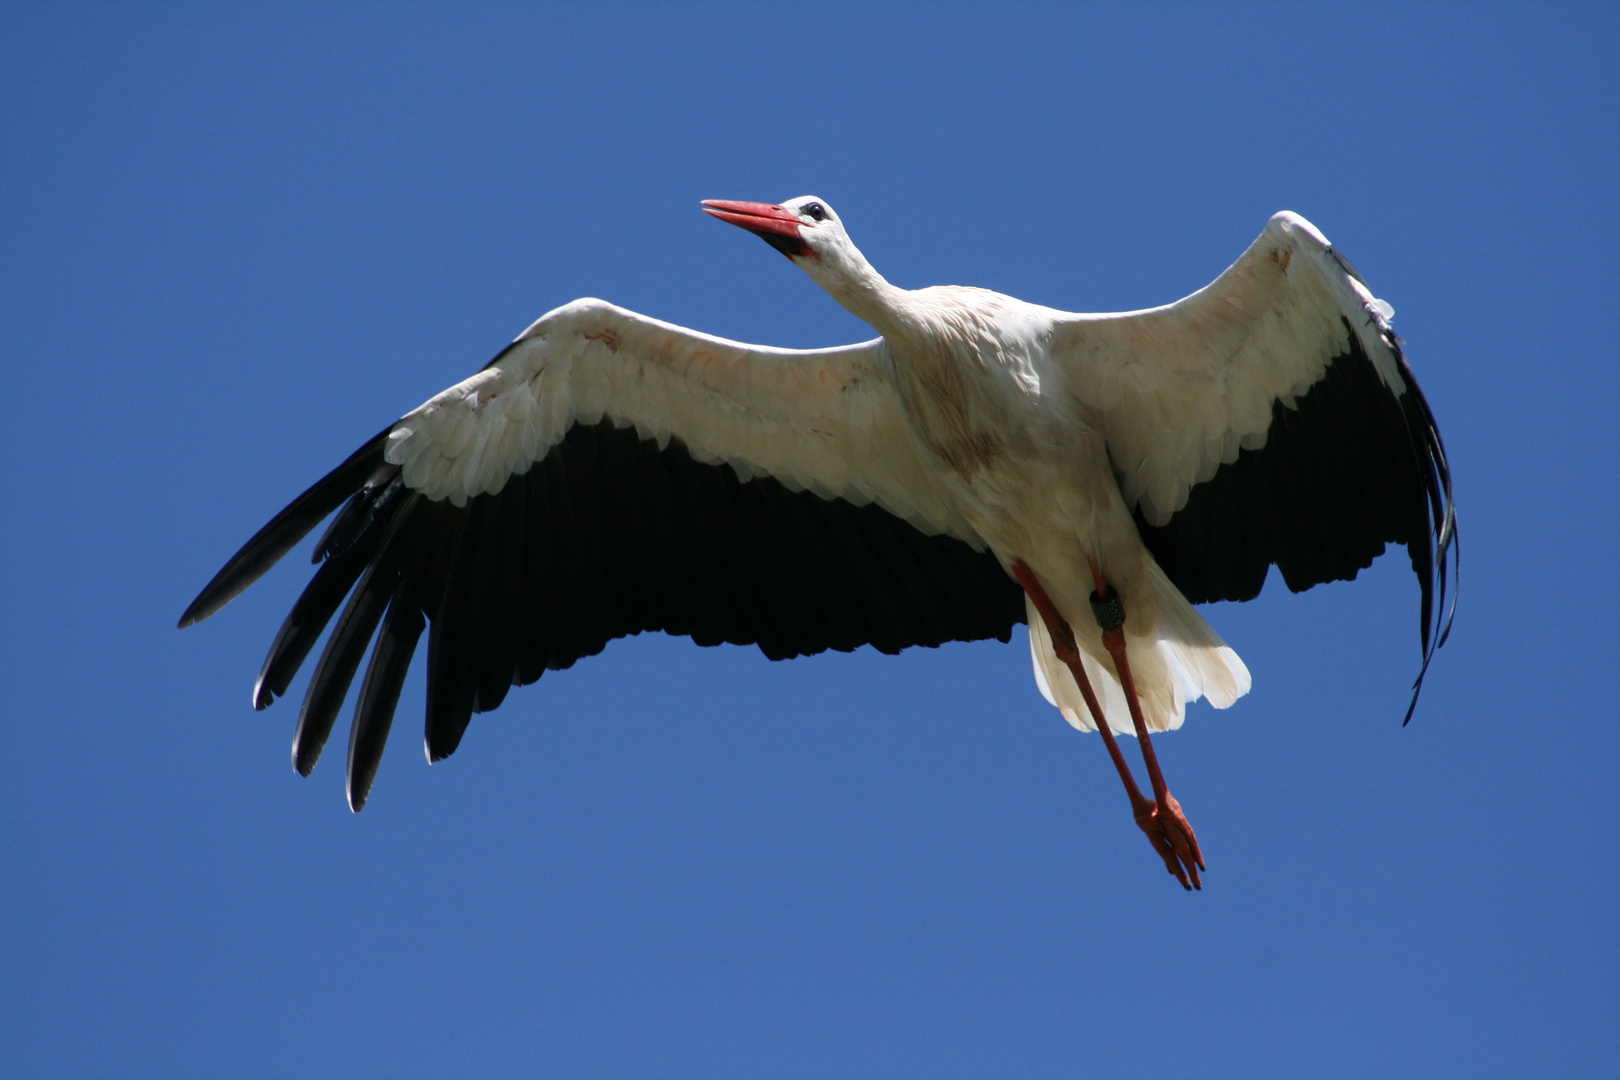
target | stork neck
x=863, y=292
x=874, y=301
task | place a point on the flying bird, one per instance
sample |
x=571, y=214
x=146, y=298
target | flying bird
x=983, y=462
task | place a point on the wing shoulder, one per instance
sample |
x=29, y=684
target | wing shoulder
x=1181, y=389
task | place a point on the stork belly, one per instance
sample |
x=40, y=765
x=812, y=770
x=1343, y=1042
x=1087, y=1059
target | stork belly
x=1059, y=519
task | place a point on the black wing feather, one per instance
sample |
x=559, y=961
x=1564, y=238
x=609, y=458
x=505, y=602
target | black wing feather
x=283, y=531
x=308, y=618
x=379, y=695
x=347, y=645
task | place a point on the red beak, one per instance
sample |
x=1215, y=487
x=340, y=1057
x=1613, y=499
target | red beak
x=773, y=224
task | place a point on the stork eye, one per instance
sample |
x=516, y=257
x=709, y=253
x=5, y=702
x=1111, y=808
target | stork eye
x=815, y=210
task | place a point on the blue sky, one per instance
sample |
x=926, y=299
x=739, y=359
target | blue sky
x=237, y=240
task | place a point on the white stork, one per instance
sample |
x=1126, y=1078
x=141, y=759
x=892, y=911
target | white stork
x=983, y=462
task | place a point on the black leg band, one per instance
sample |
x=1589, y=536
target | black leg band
x=1109, y=610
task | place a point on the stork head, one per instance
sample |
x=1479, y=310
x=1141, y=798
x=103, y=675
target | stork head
x=807, y=231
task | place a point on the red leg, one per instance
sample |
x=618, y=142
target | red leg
x=1145, y=810
x=1170, y=821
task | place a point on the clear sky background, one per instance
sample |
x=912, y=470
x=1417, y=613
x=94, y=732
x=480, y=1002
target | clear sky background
x=236, y=240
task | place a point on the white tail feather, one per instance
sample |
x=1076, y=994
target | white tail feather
x=1212, y=669
x=1186, y=660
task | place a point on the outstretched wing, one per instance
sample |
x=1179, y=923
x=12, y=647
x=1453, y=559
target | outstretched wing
x=1271, y=418
x=608, y=474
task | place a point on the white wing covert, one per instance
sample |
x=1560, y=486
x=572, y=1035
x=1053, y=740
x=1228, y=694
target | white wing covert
x=823, y=420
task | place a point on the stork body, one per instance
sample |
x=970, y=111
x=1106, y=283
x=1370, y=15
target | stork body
x=992, y=413
x=983, y=462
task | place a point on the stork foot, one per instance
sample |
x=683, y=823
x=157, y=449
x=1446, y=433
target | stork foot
x=1172, y=836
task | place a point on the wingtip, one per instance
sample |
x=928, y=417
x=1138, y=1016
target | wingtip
x=436, y=754
x=192, y=615
x=1417, y=688
x=215, y=595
